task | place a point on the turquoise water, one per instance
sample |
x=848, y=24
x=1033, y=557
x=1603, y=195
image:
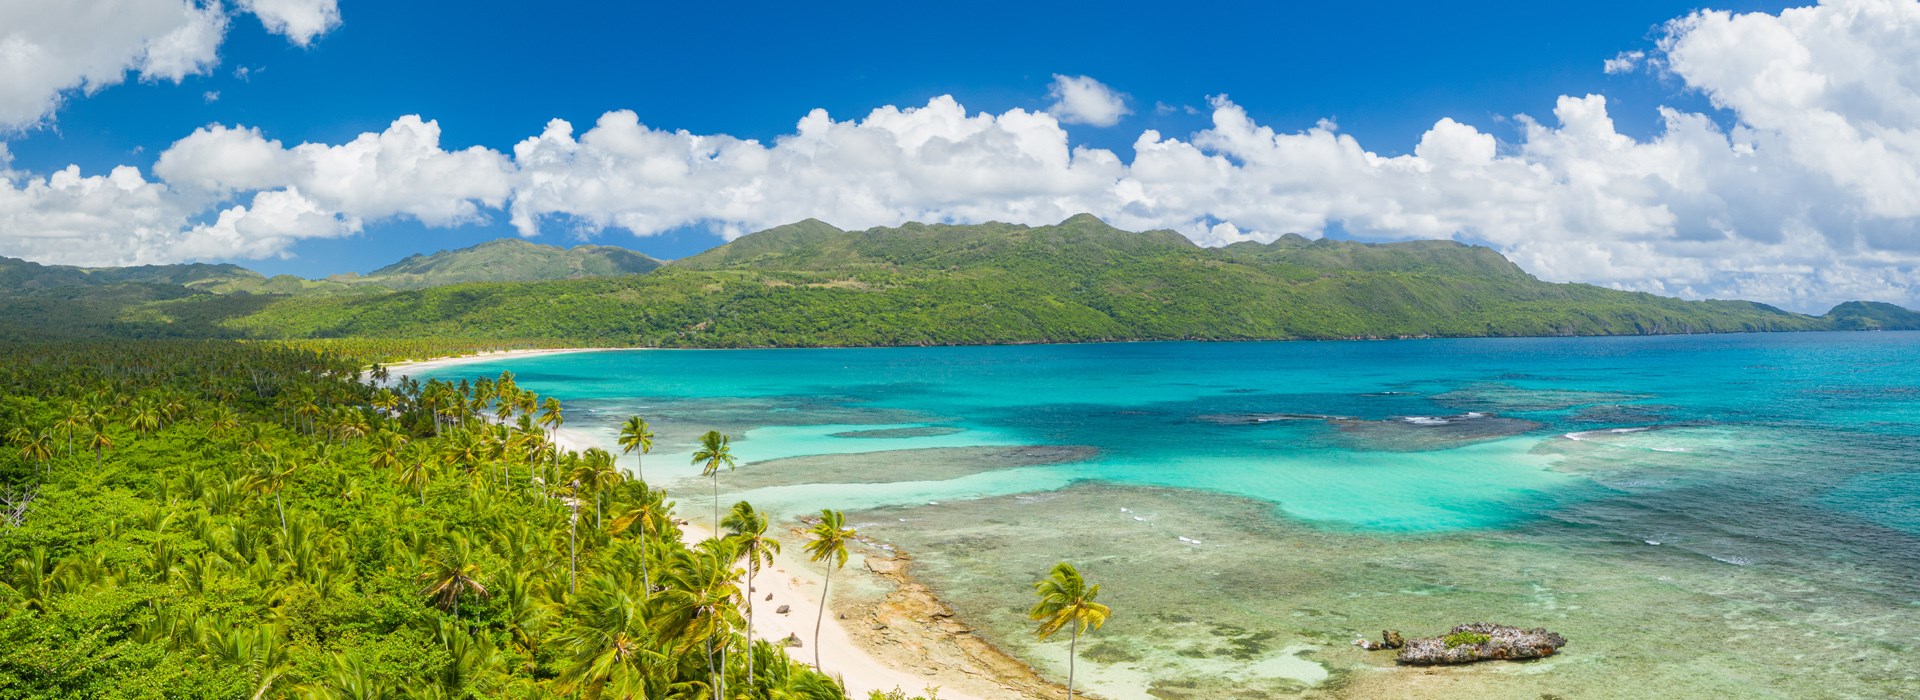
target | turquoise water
x=1769, y=482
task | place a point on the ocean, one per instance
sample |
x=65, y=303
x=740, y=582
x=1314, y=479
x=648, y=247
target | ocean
x=1701, y=516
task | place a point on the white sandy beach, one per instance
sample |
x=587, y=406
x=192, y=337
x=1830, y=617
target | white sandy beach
x=399, y=369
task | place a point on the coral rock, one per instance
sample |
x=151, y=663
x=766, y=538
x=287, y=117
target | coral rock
x=1502, y=643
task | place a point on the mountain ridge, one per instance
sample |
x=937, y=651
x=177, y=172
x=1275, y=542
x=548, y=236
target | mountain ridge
x=812, y=284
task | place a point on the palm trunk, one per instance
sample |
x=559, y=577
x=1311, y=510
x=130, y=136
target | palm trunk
x=1073, y=650
x=751, y=559
x=573, y=539
x=645, y=579
x=824, y=588
x=283, y=513
x=711, y=676
x=716, y=504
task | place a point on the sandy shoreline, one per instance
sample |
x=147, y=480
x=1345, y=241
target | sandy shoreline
x=907, y=627
x=398, y=369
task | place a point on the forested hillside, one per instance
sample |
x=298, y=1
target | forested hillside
x=504, y=260
x=810, y=284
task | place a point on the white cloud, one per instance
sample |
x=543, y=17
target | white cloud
x=400, y=171
x=1624, y=62
x=1083, y=100
x=300, y=21
x=934, y=162
x=50, y=51
x=1811, y=197
x=275, y=220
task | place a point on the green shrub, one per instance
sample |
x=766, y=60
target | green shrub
x=1465, y=639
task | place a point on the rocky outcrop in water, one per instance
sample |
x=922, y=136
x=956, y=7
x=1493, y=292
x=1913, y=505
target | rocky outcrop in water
x=1389, y=639
x=1481, y=641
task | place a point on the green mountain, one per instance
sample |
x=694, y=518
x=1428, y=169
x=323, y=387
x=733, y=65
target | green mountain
x=20, y=275
x=1872, y=316
x=810, y=284
x=504, y=260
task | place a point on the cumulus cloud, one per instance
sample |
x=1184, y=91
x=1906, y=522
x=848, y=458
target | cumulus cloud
x=1083, y=100
x=934, y=162
x=51, y=50
x=300, y=21
x=399, y=171
x=1811, y=197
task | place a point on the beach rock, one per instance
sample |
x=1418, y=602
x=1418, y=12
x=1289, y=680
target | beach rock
x=792, y=640
x=784, y=609
x=769, y=596
x=1503, y=642
x=1389, y=639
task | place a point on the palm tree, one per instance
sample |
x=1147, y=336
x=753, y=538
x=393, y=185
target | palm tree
x=598, y=473
x=100, y=442
x=573, y=538
x=714, y=453
x=386, y=400
x=466, y=449
x=72, y=419
x=270, y=475
x=828, y=544
x=608, y=642
x=750, y=530
x=387, y=448
x=256, y=439
x=1067, y=601
x=452, y=575
x=649, y=511
x=552, y=417
x=39, y=448
x=222, y=420
x=146, y=415
x=414, y=474
x=636, y=435
x=699, y=607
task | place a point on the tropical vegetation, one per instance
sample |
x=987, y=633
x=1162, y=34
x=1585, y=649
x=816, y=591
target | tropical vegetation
x=219, y=519
x=1065, y=601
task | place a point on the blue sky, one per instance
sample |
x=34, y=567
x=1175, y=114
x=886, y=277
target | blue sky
x=493, y=74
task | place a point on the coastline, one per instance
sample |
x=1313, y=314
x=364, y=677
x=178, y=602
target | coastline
x=910, y=639
x=398, y=369
x=437, y=362
x=909, y=628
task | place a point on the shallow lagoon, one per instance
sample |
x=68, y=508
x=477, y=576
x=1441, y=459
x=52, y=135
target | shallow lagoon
x=1700, y=515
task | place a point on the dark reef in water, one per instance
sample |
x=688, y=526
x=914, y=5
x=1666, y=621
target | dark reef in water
x=1480, y=641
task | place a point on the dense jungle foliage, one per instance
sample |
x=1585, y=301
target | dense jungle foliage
x=217, y=519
